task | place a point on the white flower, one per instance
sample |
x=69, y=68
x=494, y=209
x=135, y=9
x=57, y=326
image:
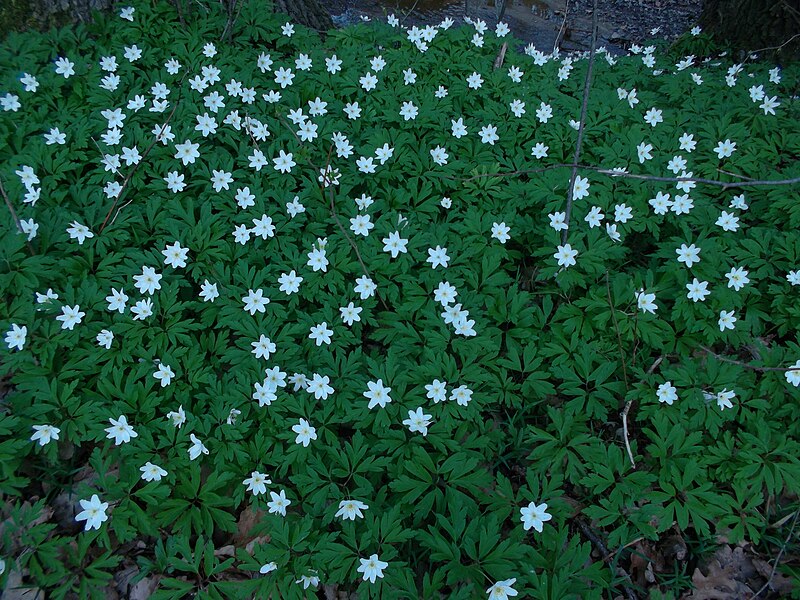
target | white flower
x=317, y=260
x=698, y=290
x=724, y=399
x=372, y=568
x=726, y=320
x=539, y=150
x=365, y=287
x=725, y=149
x=164, y=374
x=687, y=142
x=418, y=421
x=500, y=232
x=187, y=152
x=151, y=472
x=308, y=580
x=142, y=309
x=445, y=293
x=437, y=391
x=175, y=256
x=558, y=220
x=94, y=513
x=350, y=313
x=350, y=509
x=395, y=244
x=268, y=568
x=178, y=417
x=65, y=67
x=133, y=53
x=105, y=338
x=438, y=257
x=257, y=483
x=737, y=278
x=474, y=81
x=263, y=348
x=565, y=256
x=581, y=188
x=120, y=431
x=728, y=221
x=646, y=302
x=793, y=376
x=594, y=217
x=544, y=112
x=55, y=137
x=15, y=337
x=534, y=516
x=319, y=386
x=44, y=434
x=667, y=393
x=439, y=155
x=209, y=291
x=175, y=182
x=502, y=590
x=321, y=334
x=148, y=282
x=79, y=232
x=368, y=82
x=197, y=448
x=70, y=316
x=255, y=302
x=488, y=134
x=408, y=111
x=462, y=395
x=653, y=117
x=289, y=282
x=377, y=394
x=279, y=503
x=688, y=255
x=305, y=433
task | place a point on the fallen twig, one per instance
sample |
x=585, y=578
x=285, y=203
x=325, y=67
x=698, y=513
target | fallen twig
x=586, y=86
x=144, y=156
x=723, y=184
x=15, y=217
x=747, y=365
x=764, y=587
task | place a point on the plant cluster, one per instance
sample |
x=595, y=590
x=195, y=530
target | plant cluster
x=286, y=312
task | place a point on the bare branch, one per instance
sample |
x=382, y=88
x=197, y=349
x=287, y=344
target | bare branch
x=723, y=184
x=764, y=587
x=747, y=365
x=144, y=156
x=15, y=217
x=586, y=86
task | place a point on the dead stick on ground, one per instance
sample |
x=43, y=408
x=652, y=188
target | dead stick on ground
x=624, y=373
x=141, y=160
x=14, y=216
x=501, y=56
x=723, y=184
x=747, y=365
x=586, y=86
x=601, y=547
x=778, y=558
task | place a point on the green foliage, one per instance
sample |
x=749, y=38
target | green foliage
x=451, y=427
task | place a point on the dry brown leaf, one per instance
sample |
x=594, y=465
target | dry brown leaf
x=16, y=590
x=780, y=583
x=728, y=571
x=248, y=519
x=262, y=539
x=228, y=550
